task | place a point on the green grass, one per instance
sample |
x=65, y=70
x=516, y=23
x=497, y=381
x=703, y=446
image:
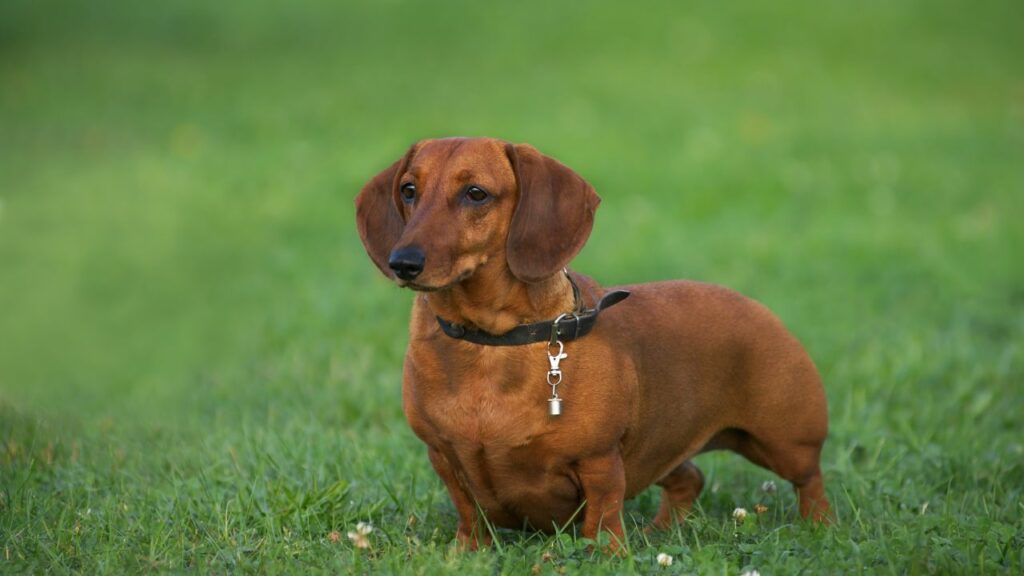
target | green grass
x=200, y=369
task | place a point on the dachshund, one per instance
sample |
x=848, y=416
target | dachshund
x=545, y=399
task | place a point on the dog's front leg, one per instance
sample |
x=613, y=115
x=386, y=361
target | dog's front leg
x=471, y=533
x=603, y=480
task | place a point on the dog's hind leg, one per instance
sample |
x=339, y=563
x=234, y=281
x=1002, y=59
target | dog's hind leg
x=797, y=462
x=813, y=501
x=679, y=490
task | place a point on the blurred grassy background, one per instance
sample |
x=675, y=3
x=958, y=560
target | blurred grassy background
x=180, y=274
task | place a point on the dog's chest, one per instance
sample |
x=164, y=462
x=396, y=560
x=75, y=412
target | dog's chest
x=490, y=410
x=508, y=451
x=494, y=398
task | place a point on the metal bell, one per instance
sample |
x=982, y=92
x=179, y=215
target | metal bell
x=555, y=406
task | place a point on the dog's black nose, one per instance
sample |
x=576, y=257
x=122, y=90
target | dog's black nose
x=407, y=262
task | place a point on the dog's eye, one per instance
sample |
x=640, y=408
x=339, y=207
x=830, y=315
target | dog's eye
x=408, y=192
x=476, y=194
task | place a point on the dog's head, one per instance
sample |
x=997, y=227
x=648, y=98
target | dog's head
x=449, y=206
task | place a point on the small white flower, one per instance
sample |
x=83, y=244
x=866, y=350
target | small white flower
x=768, y=487
x=359, y=536
x=665, y=559
x=750, y=573
x=740, y=514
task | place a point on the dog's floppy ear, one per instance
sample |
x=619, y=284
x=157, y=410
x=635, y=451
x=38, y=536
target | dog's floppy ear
x=553, y=218
x=377, y=217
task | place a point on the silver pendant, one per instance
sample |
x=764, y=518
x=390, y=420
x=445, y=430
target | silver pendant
x=555, y=377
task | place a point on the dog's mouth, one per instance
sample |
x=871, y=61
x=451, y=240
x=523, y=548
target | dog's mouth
x=412, y=285
x=418, y=287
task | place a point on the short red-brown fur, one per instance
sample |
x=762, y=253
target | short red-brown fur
x=677, y=369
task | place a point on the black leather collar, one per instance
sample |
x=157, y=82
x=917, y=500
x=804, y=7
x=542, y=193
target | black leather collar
x=569, y=326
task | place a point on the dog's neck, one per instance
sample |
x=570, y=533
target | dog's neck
x=495, y=301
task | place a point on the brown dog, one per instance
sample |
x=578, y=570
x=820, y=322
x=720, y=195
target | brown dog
x=483, y=229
